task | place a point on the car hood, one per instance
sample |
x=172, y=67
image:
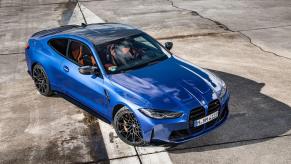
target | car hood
x=169, y=84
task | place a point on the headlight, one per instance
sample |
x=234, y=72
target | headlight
x=160, y=114
x=223, y=89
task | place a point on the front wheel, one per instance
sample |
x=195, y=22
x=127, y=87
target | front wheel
x=127, y=127
x=41, y=80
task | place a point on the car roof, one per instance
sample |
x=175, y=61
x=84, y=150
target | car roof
x=97, y=33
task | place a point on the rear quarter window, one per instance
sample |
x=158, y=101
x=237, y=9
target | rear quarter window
x=59, y=45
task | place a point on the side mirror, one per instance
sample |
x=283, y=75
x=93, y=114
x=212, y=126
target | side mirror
x=89, y=70
x=169, y=45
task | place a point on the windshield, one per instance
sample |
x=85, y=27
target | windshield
x=130, y=53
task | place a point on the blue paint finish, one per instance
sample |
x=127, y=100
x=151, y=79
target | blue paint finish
x=172, y=84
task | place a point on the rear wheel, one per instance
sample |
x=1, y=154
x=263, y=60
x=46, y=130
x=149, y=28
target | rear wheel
x=41, y=80
x=127, y=127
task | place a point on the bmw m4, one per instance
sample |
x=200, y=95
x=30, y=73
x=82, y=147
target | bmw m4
x=130, y=80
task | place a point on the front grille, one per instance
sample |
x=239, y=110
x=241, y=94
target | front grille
x=199, y=112
x=212, y=107
x=196, y=114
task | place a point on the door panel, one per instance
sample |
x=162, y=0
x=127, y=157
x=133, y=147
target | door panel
x=87, y=89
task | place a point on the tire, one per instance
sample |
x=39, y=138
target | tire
x=41, y=80
x=127, y=127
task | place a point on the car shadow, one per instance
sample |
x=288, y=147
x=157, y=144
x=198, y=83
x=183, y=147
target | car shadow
x=96, y=142
x=254, y=117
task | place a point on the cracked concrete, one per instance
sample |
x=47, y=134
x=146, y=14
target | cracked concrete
x=275, y=40
x=147, y=15
x=250, y=18
x=240, y=41
x=196, y=13
x=228, y=29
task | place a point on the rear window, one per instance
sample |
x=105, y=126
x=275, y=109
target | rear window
x=60, y=45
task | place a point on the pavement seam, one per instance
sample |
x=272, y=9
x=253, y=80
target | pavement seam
x=47, y=4
x=201, y=16
x=79, y=6
x=227, y=29
x=265, y=28
x=138, y=155
x=12, y=53
x=260, y=48
x=191, y=35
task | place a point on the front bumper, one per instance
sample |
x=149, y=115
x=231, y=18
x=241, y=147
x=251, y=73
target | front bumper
x=187, y=133
x=182, y=130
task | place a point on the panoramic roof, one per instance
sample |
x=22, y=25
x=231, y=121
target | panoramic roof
x=102, y=33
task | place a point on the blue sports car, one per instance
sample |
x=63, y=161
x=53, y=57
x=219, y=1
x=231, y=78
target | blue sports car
x=130, y=80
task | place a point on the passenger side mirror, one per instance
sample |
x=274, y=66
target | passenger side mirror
x=169, y=45
x=89, y=70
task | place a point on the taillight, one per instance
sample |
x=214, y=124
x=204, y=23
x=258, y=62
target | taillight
x=27, y=46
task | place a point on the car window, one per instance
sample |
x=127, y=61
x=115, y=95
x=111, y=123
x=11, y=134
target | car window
x=81, y=54
x=142, y=40
x=130, y=53
x=60, y=45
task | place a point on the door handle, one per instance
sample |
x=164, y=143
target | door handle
x=66, y=68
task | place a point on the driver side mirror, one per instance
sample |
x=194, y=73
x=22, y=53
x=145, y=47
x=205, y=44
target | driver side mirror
x=169, y=45
x=89, y=70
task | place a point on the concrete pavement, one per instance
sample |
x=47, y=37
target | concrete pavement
x=247, y=43
x=266, y=22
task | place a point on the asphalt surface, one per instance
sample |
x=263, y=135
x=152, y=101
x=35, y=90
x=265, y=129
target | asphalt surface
x=247, y=43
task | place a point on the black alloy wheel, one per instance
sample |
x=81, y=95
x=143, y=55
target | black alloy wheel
x=127, y=127
x=41, y=80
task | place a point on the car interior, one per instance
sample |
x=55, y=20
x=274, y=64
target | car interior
x=81, y=54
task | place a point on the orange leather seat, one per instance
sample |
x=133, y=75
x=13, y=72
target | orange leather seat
x=77, y=55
